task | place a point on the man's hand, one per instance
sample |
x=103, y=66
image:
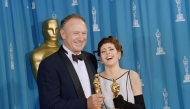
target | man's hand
x=95, y=101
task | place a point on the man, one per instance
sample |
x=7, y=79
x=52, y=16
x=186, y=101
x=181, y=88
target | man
x=65, y=82
x=50, y=31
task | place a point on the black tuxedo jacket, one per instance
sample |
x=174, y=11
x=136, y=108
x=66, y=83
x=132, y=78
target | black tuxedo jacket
x=58, y=84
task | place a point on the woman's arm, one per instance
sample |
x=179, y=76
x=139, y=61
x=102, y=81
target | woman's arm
x=119, y=102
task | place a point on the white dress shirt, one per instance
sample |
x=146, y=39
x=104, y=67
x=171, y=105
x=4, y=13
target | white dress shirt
x=82, y=73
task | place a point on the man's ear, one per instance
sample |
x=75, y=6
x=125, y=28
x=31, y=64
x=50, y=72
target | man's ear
x=62, y=33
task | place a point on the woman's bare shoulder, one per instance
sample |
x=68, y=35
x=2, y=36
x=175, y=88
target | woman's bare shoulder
x=134, y=74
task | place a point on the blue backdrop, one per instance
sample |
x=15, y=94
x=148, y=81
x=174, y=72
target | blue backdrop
x=155, y=35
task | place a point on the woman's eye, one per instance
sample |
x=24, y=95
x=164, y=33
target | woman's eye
x=102, y=51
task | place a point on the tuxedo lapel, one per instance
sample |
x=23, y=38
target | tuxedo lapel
x=72, y=72
x=90, y=73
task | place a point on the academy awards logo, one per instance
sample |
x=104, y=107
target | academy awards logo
x=179, y=15
x=187, y=76
x=11, y=56
x=75, y=2
x=6, y=3
x=135, y=21
x=95, y=26
x=165, y=94
x=54, y=16
x=160, y=50
x=138, y=71
x=33, y=5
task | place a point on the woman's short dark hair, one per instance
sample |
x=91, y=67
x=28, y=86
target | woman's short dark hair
x=112, y=40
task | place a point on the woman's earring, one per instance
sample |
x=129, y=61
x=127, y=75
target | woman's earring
x=101, y=61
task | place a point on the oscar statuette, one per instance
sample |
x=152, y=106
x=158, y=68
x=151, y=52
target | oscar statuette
x=115, y=88
x=97, y=86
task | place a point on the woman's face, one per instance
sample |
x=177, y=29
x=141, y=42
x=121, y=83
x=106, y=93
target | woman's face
x=109, y=54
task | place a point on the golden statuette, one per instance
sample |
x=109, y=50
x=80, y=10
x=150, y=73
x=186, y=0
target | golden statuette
x=115, y=88
x=97, y=86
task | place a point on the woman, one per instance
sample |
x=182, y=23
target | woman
x=130, y=91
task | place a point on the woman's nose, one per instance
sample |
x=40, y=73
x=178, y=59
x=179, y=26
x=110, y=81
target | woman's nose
x=107, y=52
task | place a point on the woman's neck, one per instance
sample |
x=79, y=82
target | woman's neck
x=114, y=72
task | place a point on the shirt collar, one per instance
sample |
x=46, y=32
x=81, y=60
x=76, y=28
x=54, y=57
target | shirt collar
x=69, y=51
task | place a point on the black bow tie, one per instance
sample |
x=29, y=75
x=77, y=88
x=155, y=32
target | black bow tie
x=76, y=57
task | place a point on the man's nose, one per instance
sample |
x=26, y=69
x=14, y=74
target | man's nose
x=81, y=36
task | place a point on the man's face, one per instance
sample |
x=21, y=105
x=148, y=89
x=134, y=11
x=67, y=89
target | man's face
x=74, y=35
x=51, y=31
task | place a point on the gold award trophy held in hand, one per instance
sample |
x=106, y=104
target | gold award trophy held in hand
x=97, y=86
x=115, y=88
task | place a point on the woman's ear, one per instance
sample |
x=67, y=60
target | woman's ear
x=101, y=60
x=119, y=55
